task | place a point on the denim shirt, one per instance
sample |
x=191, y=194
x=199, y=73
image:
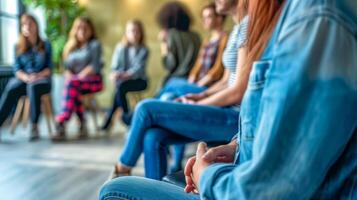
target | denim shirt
x=33, y=61
x=298, y=133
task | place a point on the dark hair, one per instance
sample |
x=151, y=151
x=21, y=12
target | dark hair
x=174, y=15
x=213, y=7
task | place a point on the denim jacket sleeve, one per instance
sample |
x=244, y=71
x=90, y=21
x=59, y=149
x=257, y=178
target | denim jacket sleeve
x=48, y=55
x=17, y=64
x=307, y=115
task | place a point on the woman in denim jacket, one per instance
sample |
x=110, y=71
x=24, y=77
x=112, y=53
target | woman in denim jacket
x=32, y=68
x=298, y=137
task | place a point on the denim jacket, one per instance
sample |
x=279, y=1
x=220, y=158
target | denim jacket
x=33, y=61
x=298, y=125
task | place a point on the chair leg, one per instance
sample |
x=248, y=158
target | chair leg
x=47, y=112
x=93, y=105
x=25, y=116
x=17, y=115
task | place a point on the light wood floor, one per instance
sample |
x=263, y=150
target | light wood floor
x=42, y=170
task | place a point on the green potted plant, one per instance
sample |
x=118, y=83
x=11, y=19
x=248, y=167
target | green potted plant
x=60, y=15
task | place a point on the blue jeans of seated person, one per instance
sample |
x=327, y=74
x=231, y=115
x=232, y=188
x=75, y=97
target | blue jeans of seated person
x=207, y=123
x=176, y=87
x=298, y=133
x=17, y=88
x=128, y=188
x=156, y=142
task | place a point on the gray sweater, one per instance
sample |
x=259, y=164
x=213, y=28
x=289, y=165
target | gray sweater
x=131, y=59
x=88, y=55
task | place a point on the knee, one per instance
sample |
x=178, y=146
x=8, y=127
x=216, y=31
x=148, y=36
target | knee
x=111, y=188
x=116, y=188
x=145, y=106
x=9, y=92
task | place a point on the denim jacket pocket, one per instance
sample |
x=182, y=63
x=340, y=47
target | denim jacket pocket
x=252, y=97
x=250, y=107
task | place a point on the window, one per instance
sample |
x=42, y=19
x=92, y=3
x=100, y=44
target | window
x=9, y=30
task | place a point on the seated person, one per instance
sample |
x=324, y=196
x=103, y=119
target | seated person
x=128, y=64
x=33, y=64
x=208, y=67
x=179, y=45
x=82, y=59
x=298, y=134
x=207, y=71
x=216, y=111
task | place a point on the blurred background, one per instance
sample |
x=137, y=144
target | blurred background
x=109, y=17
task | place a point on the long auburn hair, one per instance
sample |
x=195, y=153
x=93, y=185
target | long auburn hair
x=263, y=16
x=72, y=42
x=23, y=43
x=140, y=26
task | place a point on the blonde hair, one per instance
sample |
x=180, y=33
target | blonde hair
x=72, y=42
x=138, y=24
x=23, y=44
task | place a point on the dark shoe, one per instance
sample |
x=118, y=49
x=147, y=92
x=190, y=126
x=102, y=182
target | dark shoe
x=175, y=168
x=35, y=135
x=83, y=131
x=106, y=125
x=126, y=118
x=115, y=173
x=60, y=134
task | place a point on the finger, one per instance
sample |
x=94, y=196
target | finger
x=212, y=154
x=189, y=188
x=188, y=168
x=224, y=159
x=201, y=149
x=195, y=191
x=189, y=180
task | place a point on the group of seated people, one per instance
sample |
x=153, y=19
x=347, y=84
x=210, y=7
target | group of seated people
x=280, y=92
x=285, y=104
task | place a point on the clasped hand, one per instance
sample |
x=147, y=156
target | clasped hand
x=204, y=158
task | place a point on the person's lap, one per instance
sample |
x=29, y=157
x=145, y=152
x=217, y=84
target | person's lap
x=177, y=87
x=126, y=188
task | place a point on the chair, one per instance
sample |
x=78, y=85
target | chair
x=23, y=110
x=135, y=97
x=90, y=102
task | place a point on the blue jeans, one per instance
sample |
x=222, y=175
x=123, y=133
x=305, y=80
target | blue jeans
x=17, y=88
x=187, y=122
x=176, y=87
x=130, y=188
